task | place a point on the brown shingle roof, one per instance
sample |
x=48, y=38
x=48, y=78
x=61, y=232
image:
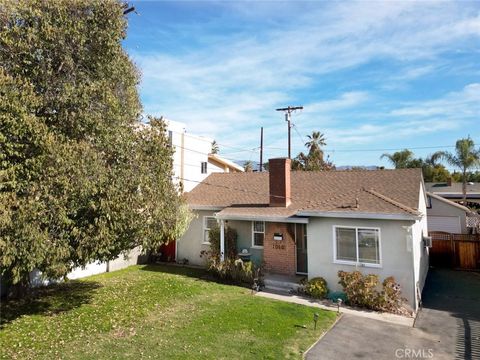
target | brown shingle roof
x=375, y=191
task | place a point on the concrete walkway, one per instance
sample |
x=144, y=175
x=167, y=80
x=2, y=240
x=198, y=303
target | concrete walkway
x=448, y=326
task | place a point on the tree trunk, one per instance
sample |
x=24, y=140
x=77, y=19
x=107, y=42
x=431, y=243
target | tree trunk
x=18, y=290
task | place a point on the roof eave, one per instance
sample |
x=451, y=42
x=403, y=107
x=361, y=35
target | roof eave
x=206, y=207
x=448, y=202
x=360, y=215
x=293, y=219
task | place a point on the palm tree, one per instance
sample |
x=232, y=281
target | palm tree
x=464, y=158
x=433, y=159
x=215, y=147
x=400, y=159
x=248, y=166
x=315, y=142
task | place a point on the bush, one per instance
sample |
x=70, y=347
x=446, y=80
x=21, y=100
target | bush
x=390, y=298
x=362, y=290
x=316, y=288
x=233, y=271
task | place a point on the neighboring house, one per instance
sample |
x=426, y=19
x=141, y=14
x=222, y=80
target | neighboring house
x=192, y=160
x=317, y=223
x=217, y=164
x=446, y=215
x=453, y=191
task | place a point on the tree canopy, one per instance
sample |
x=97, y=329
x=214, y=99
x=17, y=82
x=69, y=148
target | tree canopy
x=465, y=157
x=81, y=180
x=215, y=147
x=313, y=160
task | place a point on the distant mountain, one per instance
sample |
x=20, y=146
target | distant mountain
x=255, y=165
x=350, y=167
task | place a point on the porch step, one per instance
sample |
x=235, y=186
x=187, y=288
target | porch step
x=281, y=284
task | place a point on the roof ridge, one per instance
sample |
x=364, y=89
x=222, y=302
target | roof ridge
x=354, y=170
x=391, y=201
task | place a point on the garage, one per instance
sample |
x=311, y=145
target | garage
x=450, y=224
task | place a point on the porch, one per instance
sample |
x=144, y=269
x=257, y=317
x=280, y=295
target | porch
x=280, y=246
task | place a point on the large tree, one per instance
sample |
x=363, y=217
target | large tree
x=401, y=159
x=313, y=160
x=465, y=157
x=80, y=180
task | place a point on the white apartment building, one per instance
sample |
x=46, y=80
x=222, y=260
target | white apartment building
x=192, y=160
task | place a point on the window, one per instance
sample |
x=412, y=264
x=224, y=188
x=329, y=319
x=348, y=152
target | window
x=170, y=138
x=204, y=167
x=209, y=222
x=258, y=233
x=357, y=246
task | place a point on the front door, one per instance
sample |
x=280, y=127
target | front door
x=301, y=244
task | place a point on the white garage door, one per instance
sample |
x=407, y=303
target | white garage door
x=449, y=224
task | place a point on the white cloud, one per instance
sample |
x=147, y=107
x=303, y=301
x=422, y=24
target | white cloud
x=233, y=84
x=462, y=104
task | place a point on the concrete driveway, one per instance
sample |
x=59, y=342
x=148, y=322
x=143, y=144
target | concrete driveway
x=448, y=326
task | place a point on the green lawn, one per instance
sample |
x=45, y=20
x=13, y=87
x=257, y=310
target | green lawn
x=155, y=312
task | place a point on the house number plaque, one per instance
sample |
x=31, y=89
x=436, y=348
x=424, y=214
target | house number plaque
x=278, y=246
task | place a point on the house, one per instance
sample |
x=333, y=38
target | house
x=453, y=190
x=446, y=216
x=317, y=223
x=192, y=158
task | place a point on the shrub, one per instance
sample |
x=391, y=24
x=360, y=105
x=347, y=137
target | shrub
x=233, y=271
x=362, y=290
x=390, y=298
x=317, y=288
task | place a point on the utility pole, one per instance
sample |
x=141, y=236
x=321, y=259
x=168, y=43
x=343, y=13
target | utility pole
x=261, y=149
x=288, y=116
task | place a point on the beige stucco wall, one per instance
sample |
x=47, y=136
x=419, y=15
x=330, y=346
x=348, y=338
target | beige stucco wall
x=191, y=243
x=440, y=208
x=244, y=240
x=395, y=252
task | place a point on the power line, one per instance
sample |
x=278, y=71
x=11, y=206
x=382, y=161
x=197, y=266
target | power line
x=373, y=150
x=300, y=135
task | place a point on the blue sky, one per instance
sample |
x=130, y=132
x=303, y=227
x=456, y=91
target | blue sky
x=372, y=76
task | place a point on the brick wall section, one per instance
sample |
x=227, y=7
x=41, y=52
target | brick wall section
x=279, y=256
x=279, y=182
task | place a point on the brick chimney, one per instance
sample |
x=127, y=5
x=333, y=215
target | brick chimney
x=279, y=181
x=449, y=181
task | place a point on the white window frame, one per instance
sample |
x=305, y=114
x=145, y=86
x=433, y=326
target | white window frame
x=257, y=232
x=205, y=228
x=357, y=263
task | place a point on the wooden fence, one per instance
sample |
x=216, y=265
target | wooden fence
x=459, y=251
